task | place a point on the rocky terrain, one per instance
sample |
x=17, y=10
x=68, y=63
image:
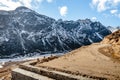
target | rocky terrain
x=113, y=39
x=23, y=31
x=114, y=45
x=113, y=29
x=100, y=60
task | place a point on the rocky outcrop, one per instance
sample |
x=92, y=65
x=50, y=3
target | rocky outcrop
x=114, y=41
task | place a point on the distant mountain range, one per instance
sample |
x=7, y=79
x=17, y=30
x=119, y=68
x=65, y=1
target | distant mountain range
x=113, y=29
x=23, y=31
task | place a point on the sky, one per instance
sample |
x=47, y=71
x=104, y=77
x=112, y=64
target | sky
x=105, y=11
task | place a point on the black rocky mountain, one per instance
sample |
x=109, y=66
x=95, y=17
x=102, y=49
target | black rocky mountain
x=23, y=31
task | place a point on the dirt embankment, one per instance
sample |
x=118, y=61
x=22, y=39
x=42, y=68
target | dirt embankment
x=5, y=72
x=113, y=50
x=87, y=60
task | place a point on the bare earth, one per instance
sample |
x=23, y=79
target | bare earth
x=114, y=48
x=5, y=72
x=87, y=60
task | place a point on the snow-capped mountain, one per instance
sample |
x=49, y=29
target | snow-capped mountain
x=113, y=29
x=23, y=31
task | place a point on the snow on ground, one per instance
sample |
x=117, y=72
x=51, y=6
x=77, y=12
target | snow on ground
x=1, y=66
x=2, y=61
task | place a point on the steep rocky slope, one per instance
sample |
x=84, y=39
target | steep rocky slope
x=114, y=45
x=24, y=31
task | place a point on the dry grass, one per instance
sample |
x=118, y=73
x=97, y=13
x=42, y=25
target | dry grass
x=87, y=60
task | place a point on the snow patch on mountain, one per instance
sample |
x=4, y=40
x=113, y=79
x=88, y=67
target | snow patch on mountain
x=23, y=31
x=113, y=29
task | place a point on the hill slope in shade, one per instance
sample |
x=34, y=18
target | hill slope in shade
x=25, y=31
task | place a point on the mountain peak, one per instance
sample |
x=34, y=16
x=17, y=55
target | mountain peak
x=23, y=8
x=85, y=20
